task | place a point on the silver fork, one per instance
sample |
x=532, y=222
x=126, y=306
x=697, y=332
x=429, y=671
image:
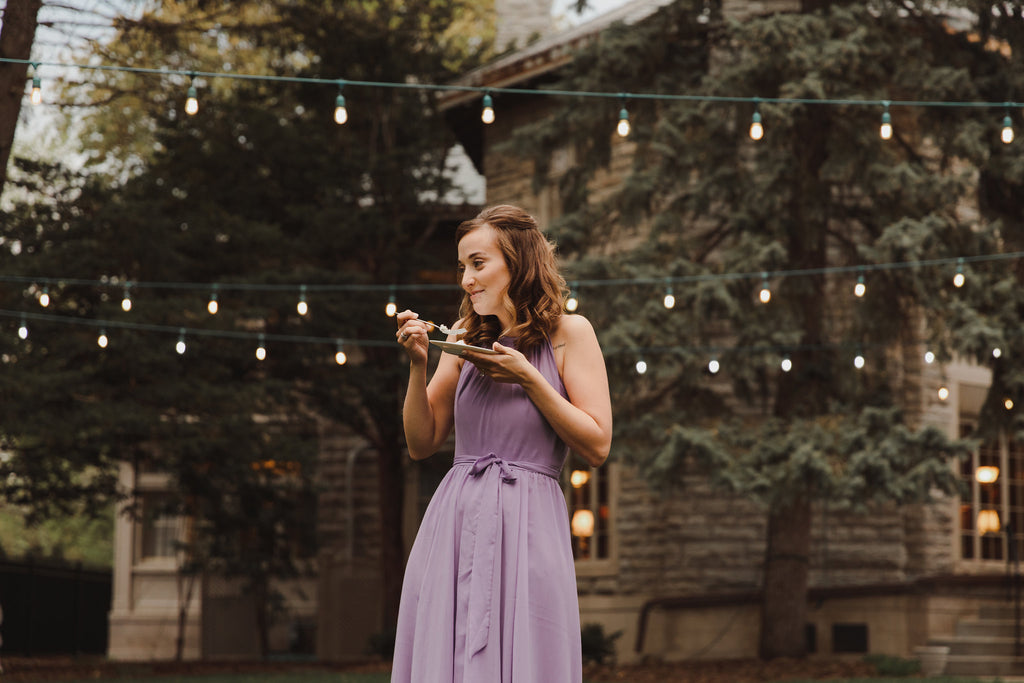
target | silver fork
x=444, y=328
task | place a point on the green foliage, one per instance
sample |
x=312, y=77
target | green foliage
x=260, y=187
x=598, y=647
x=820, y=191
x=892, y=666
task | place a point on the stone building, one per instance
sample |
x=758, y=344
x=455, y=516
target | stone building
x=679, y=577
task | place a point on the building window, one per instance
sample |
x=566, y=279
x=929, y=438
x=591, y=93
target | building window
x=992, y=505
x=588, y=493
x=157, y=529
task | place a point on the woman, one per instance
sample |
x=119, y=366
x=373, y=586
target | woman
x=490, y=587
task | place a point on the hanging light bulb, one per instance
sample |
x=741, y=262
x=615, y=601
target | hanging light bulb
x=959, y=278
x=126, y=299
x=339, y=356
x=44, y=298
x=786, y=364
x=766, y=293
x=641, y=366
x=997, y=352
x=37, y=87
x=756, y=129
x=340, y=112
x=573, y=302
x=1008, y=403
x=23, y=329
x=858, y=361
x=102, y=341
x=1007, y=134
x=860, y=288
x=623, y=127
x=392, y=308
x=212, y=306
x=714, y=366
x=943, y=393
x=929, y=357
x=885, y=130
x=180, y=346
x=261, y=349
x=487, y=110
x=302, y=307
x=670, y=299
x=191, y=98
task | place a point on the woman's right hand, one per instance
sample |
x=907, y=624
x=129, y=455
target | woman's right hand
x=412, y=335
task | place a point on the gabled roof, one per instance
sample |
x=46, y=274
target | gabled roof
x=548, y=53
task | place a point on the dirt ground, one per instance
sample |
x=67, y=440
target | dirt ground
x=52, y=669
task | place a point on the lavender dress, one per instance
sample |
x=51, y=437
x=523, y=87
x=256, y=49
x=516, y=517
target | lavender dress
x=490, y=587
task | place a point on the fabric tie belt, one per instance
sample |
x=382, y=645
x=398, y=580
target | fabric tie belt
x=484, y=582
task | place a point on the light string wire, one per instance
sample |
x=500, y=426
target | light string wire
x=25, y=316
x=491, y=90
x=863, y=269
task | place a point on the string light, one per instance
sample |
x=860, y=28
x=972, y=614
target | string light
x=756, y=129
x=623, y=127
x=714, y=366
x=126, y=299
x=212, y=305
x=339, y=355
x=302, y=307
x=929, y=357
x=487, y=109
x=858, y=361
x=959, y=278
x=885, y=130
x=261, y=350
x=44, y=298
x=766, y=293
x=860, y=288
x=997, y=352
x=191, y=98
x=573, y=302
x=786, y=364
x=102, y=341
x=1008, y=403
x=37, y=86
x=340, y=111
x=23, y=329
x=670, y=300
x=943, y=393
x=180, y=346
x=641, y=366
x=392, y=307
x=1007, y=134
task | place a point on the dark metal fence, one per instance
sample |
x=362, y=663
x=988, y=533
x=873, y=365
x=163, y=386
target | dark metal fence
x=53, y=609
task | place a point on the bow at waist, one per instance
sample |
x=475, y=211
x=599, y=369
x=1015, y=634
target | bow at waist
x=478, y=465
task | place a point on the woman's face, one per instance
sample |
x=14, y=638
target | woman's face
x=485, y=275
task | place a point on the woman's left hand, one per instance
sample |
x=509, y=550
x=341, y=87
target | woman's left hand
x=508, y=367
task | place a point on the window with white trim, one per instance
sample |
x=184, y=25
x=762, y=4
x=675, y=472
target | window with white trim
x=588, y=492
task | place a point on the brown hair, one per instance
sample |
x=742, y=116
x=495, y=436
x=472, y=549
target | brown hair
x=535, y=289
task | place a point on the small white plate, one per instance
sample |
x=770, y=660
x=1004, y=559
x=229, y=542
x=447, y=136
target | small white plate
x=459, y=349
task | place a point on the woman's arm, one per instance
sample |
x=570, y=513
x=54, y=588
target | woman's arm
x=584, y=421
x=429, y=409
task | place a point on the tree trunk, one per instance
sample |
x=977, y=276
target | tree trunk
x=784, y=608
x=391, y=490
x=16, y=36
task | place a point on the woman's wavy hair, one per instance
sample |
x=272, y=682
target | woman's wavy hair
x=536, y=290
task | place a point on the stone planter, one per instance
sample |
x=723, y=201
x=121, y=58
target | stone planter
x=933, y=659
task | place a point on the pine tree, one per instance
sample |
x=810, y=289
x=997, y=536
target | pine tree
x=819, y=197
